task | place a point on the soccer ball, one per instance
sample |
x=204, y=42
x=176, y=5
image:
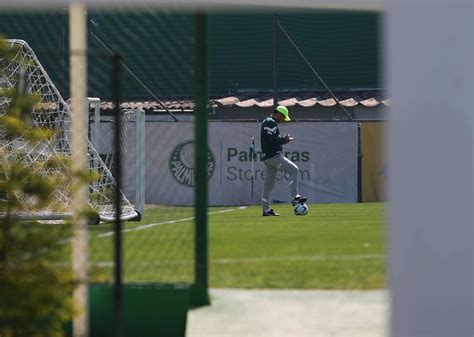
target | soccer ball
x=301, y=209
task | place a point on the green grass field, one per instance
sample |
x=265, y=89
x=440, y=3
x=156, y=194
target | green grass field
x=336, y=246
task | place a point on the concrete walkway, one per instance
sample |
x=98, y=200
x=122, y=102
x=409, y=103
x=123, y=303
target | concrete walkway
x=291, y=313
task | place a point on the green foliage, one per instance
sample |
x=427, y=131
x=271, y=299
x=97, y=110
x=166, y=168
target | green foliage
x=35, y=283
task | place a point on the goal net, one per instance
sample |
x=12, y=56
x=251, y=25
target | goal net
x=132, y=134
x=52, y=113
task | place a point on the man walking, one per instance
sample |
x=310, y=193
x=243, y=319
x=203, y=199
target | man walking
x=272, y=152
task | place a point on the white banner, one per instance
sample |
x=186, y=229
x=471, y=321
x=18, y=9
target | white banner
x=326, y=154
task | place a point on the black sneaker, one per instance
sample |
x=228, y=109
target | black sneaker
x=270, y=213
x=298, y=200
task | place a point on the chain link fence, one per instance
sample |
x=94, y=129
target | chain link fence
x=257, y=56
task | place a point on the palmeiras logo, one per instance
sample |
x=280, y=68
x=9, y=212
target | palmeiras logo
x=182, y=164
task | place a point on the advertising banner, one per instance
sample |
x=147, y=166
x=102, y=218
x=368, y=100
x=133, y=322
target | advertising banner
x=326, y=154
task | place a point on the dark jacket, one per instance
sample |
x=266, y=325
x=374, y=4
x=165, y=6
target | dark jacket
x=270, y=138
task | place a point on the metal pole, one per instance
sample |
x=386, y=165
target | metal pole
x=96, y=129
x=140, y=161
x=163, y=105
x=252, y=157
x=78, y=87
x=118, y=296
x=275, y=60
x=200, y=291
x=251, y=184
x=349, y=116
x=359, y=165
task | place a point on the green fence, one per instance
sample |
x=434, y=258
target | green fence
x=158, y=48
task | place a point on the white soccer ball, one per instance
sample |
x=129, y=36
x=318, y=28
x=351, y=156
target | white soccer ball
x=301, y=209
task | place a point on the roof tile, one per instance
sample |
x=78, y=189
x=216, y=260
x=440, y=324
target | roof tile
x=349, y=103
x=288, y=102
x=305, y=99
x=328, y=102
x=370, y=102
x=308, y=103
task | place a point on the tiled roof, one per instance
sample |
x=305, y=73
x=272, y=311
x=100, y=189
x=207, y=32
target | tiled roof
x=306, y=99
x=182, y=104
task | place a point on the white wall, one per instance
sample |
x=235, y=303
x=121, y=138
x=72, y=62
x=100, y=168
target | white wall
x=430, y=57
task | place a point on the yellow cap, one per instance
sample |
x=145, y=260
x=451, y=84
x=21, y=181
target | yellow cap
x=284, y=111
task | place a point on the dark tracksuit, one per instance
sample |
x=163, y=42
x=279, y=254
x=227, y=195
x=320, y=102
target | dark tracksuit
x=272, y=153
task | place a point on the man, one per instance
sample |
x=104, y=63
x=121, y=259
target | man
x=272, y=154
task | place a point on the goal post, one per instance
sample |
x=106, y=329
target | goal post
x=53, y=114
x=140, y=162
x=133, y=148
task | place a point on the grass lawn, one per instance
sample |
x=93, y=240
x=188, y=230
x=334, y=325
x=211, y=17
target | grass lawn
x=336, y=246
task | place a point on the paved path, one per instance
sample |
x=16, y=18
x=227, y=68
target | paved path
x=291, y=313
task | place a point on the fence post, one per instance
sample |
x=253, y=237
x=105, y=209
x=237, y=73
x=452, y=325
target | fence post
x=275, y=60
x=118, y=297
x=200, y=289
